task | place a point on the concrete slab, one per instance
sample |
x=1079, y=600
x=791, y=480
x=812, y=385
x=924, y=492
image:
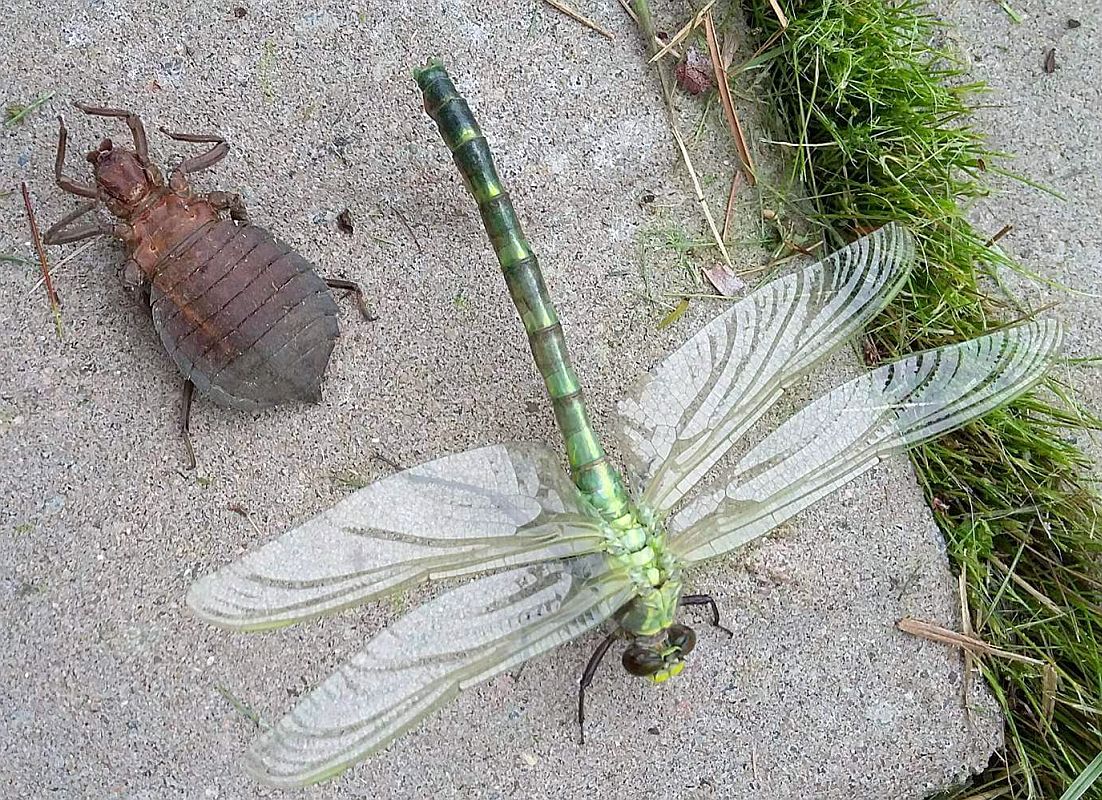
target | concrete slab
x=1049, y=123
x=108, y=688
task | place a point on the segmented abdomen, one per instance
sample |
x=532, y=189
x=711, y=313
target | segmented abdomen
x=245, y=318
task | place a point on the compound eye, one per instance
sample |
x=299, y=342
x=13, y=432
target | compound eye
x=682, y=637
x=641, y=661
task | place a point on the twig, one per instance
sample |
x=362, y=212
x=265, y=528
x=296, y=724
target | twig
x=56, y=268
x=688, y=28
x=51, y=293
x=574, y=15
x=725, y=96
x=936, y=633
x=1003, y=231
x=735, y=179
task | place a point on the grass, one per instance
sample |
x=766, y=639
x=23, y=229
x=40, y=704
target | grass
x=877, y=120
x=16, y=112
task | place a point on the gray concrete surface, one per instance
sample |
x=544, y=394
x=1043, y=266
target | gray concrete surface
x=108, y=686
x=1050, y=124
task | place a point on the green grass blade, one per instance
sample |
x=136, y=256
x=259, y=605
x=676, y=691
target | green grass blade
x=1087, y=778
x=877, y=119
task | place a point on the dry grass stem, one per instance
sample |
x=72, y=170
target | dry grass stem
x=635, y=18
x=1033, y=592
x=736, y=179
x=781, y=18
x=966, y=624
x=56, y=268
x=725, y=98
x=1049, y=681
x=558, y=5
x=936, y=633
x=699, y=191
x=682, y=34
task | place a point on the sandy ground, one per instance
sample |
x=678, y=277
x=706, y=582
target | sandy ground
x=109, y=688
x=1049, y=123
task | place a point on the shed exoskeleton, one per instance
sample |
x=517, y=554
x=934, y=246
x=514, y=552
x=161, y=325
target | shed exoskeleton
x=247, y=320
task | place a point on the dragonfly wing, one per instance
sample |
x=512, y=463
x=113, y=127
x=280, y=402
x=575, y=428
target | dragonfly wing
x=682, y=418
x=849, y=430
x=490, y=508
x=414, y=666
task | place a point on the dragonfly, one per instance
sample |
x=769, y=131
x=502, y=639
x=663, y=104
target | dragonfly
x=566, y=552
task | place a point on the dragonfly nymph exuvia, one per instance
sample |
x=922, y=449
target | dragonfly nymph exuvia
x=570, y=552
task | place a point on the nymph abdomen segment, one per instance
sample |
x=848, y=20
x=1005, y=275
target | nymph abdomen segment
x=244, y=317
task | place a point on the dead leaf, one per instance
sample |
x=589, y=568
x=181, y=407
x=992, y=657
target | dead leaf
x=344, y=222
x=1050, y=61
x=722, y=277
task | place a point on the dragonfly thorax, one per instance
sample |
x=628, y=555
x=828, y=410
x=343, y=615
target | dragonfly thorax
x=637, y=545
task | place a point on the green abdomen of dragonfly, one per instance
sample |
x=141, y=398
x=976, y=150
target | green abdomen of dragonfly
x=639, y=547
x=592, y=473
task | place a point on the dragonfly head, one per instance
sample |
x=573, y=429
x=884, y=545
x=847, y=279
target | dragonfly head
x=660, y=657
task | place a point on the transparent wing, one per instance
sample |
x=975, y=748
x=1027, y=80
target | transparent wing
x=494, y=507
x=846, y=432
x=682, y=418
x=423, y=660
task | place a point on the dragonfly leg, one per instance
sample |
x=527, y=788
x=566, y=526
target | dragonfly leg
x=706, y=600
x=353, y=289
x=587, y=678
x=185, y=422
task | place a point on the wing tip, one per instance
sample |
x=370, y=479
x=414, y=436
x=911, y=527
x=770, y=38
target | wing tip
x=205, y=600
x=1043, y=336
x=880, y=261
x=1053, y=329
x=897, y=249
x=198, y=599
x=289, y=756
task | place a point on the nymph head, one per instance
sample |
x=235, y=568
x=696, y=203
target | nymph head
x=120, y=174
